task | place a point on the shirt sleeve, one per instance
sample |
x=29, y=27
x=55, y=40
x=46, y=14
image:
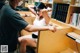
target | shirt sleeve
x=17, y=22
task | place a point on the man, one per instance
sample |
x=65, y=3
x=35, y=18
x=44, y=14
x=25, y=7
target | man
x=11, y=24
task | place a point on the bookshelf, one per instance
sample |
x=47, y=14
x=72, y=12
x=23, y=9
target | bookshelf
x=73, y=8
x=68, y=7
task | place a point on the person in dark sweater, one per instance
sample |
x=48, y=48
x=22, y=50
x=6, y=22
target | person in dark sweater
x=11, y=23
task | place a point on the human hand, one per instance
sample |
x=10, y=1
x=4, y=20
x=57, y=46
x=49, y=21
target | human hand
x=47, y=10
x=52, y=28
x=44, y=10
x=44, y=13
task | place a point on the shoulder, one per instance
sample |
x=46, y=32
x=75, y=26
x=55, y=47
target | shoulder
x=7, y=10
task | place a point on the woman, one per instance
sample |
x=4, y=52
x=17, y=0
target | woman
x=42, y=19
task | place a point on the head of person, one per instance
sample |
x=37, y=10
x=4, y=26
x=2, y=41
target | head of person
x=39, y=7
x=14, y=3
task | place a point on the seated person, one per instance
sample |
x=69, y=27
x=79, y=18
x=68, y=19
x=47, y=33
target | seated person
x=42, y=19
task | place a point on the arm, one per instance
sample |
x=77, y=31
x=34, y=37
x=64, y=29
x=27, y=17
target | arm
x=36, y=28
x=32, y=10
x=45, y=15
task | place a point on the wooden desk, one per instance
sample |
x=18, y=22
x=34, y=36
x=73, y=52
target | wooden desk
x=56, y=42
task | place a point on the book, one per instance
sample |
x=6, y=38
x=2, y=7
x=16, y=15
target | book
x=74, y=19
x=78, y=22
x=74, y=36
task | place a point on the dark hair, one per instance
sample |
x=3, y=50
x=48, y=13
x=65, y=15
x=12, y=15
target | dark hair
x=39, y=6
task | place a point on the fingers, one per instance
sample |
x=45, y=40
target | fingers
x=43, y=10
x=46, y=10
x=52, y=28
